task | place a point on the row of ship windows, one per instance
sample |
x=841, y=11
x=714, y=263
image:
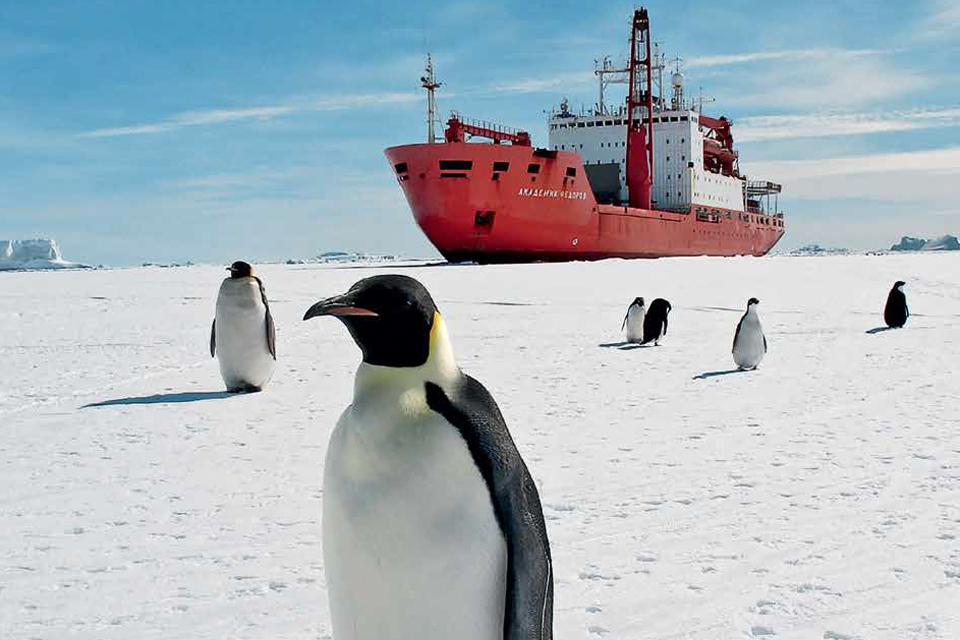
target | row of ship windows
x=714, y=215
x=467, y=165
x=611, y=123
x=608, y=145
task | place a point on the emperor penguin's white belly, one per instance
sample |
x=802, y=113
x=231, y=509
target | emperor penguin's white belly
x=411, y=546
x=634, y=328
x=241, y=335
x=749, y=349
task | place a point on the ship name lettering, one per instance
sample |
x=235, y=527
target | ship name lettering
x=552, y=193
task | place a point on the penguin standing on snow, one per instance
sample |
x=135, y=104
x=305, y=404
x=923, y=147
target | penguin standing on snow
x=895, y=314
x=633, y=321
x=655, y=321
x=243, y=337
x=749, y=343
x=432, y=524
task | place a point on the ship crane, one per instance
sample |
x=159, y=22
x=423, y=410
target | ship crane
x=458, y=128
x=719, y=156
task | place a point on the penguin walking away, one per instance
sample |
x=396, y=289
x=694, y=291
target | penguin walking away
x=655, y=321
x=432, y=524
x=749, y=343
x=895, y=314
x=243, y=337
x=633, y=321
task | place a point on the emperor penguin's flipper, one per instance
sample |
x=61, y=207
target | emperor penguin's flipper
x=271, y=335
x=737, y=335
x=271, y=329
x=528, y=610
x=213, y=338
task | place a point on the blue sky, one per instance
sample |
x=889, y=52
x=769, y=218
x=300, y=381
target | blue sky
x=209, y=131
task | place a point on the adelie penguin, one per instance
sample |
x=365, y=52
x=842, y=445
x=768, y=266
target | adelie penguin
x=655, y=321
x=432, y=524
x=895, y=313
x=633, y=321
x=749, y=343
x=243, y=337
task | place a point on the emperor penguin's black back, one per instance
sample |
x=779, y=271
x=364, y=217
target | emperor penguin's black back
x=895, y=313
x=655, y=322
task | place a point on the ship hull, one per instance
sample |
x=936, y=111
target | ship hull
x=474, y=210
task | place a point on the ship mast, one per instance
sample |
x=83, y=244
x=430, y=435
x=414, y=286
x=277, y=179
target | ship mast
x=604, y=68
x=429, y=82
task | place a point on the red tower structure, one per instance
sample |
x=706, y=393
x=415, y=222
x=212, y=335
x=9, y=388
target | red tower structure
x=640, y=96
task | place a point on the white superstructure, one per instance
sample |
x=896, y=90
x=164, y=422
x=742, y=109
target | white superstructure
x=680, y=178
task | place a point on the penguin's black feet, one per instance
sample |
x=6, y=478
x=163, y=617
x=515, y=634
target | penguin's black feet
x=247, y=388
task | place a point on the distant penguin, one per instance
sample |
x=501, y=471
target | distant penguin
x=749, y=343
x=243, y=337
x=432, y=524
x=655, y=321
x=895, y=314
x=633, y=321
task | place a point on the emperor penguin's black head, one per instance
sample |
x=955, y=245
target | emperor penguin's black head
x=751, y=302
x=638, y=302
x=240, y=269
x=390, y=318
x=899, y=284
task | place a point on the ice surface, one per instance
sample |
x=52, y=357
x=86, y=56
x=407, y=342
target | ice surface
x=34, y=254
x=817, y=497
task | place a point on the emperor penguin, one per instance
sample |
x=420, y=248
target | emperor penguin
x=655, y=321
x=243, y=336
x=749, y=343
x=432, y=524
x=895, y=314
x=633, y=321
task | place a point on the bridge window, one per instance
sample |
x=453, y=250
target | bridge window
x=400, y=167
x=501, y=166
x=571, y=172
x=533, y=167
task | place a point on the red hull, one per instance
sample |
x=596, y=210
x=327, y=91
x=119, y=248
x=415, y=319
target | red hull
x=478, y=214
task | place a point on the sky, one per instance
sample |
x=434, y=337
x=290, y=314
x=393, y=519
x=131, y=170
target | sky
x=211, y=131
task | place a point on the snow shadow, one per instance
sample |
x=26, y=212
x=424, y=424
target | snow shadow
x=714, y=374
x=164, y=398
x=878, y=330
x=623, y=346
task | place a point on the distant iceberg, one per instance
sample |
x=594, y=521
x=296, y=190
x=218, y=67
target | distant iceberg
x=943, y=243
x=37, y=254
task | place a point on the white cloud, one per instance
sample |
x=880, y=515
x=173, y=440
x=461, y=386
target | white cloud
x=783, y=54
x=326, y=103
x=924, y=179
x=823, y=84
x=828, y=124
x=943, y=22
x=220, y=116
x=535, y=85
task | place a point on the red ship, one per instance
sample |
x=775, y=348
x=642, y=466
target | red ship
x=650, y=179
